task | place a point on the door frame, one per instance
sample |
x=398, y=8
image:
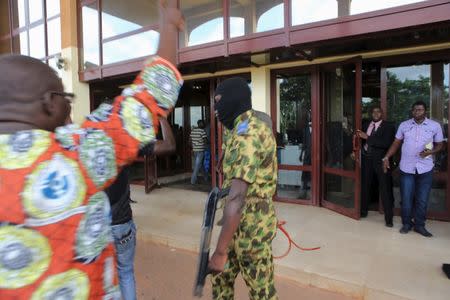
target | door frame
x=356, y=173
x=314, y=168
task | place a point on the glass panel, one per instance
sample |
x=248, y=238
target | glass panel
x=294, y=120
x=18, y=13
x=133, y=46
x=204, y=22
x=53, y=8
x=339, y=97
x=35, y=11
x=428, y=83
x=294, y=184
x=5, y=46
x=361, y=6
x=307, y=11
x=120, y=16
x=54, y=36
x=339, y=190
x=370, y=88
x=196, y=115
x=91, y=55
x=52, y=64
x=248, y=17
x=37, y=41
x=20, y=43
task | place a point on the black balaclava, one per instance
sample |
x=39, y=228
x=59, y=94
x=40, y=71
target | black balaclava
x=235, y=100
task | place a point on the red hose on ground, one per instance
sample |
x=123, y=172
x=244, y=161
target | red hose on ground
x=291, y=242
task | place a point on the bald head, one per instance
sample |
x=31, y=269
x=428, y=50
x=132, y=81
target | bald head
x=25, y=79
x=26, y=86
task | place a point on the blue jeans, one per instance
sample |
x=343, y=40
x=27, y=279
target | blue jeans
x=125, y=243
x=198, y=164
x=415, y=187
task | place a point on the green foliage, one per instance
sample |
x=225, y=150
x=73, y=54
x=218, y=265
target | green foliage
x=295, y=93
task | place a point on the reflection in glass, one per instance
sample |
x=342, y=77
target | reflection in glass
x=307, y=11
x=204, y=22
x=294, y=184
x=428, y=83
x=133, y=46
x=248, y=17
x=37, y=41
x=340, y=117
x=178, y=133
x=120, y=16
x=91, y=55
x=54, y=36
x=361, y=6
x=406, y=85
x=18, y=13
x=339, y=190
x=35, y=11
x=294, y=126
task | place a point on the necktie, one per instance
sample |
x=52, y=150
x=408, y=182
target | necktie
x=369, y=132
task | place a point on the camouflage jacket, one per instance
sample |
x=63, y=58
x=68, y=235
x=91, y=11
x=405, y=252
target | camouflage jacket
x=250, y=155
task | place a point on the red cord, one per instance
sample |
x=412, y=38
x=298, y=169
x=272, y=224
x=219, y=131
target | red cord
x=291, y=242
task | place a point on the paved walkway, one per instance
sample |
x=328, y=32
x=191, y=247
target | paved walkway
x=166, y=273
x=362, y=259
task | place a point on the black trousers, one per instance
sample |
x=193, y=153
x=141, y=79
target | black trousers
x=372, y=168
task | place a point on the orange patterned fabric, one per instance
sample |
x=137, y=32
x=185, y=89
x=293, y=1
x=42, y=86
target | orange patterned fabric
x=55, y=236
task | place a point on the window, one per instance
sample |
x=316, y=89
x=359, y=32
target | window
x=362, y=6
x=129, y=30
x=204, y=22
x=36, y=29
x=247, y=17
x=308, y=11
x=428, y=83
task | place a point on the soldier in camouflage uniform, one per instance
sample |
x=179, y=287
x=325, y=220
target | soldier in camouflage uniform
x=249, y=222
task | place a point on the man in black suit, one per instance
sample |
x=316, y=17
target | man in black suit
x=377, y=136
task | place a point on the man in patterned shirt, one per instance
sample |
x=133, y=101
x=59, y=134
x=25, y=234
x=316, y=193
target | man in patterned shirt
x=55, y=234
x=249, y=221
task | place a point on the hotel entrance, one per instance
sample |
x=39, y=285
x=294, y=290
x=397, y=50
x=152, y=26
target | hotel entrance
x=317, y=109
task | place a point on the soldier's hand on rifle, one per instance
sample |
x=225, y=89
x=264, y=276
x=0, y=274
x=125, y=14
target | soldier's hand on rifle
x=217, y=262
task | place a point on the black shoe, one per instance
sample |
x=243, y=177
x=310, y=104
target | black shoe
x=405, y=229
x=446, y=269
x=389, y=224
x=423, y=231
x=363, y=215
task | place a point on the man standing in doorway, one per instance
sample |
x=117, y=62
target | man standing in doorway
x=421, y=138
x=377, y=136
x=198, y=139
x=249, y=221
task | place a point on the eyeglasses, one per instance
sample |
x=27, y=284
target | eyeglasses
x=67, y=96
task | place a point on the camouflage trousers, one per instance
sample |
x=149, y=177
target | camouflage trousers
x=250, y=253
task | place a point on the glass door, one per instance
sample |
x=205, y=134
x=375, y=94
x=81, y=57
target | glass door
x=341, y=106
x=294, y=135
